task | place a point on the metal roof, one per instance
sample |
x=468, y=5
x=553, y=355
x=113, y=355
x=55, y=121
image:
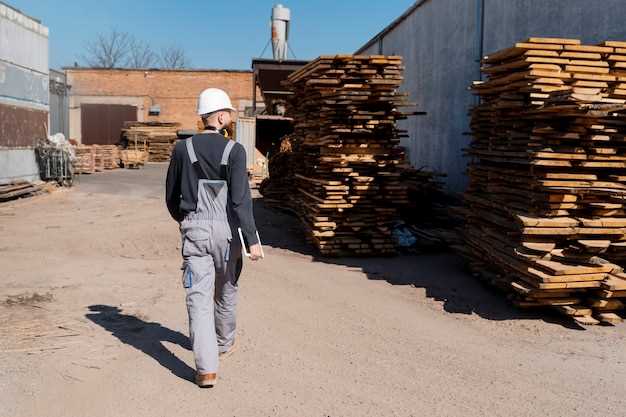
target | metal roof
x=15, y=9
x=72, y=68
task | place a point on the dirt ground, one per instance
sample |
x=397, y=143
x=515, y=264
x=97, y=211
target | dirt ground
x=93, y=323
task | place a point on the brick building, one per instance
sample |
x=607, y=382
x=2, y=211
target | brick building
x=107, y=97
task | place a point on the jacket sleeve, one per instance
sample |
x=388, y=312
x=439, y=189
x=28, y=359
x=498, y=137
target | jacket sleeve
x=240, y=193
x=173, y=188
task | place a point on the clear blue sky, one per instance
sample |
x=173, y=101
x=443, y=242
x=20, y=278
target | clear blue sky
x=215, y=34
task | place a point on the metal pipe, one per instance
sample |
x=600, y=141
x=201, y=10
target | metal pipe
x=480, y=32
x=254, y=93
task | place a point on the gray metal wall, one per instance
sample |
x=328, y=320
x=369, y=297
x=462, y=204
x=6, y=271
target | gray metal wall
x=440, y=42
x=23, y=93
x=23, y=60
x=592, y=21
x=18, y=164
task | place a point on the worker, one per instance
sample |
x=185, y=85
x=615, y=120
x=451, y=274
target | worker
x=208, y=194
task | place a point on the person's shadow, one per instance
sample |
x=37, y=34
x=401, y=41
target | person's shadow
x=144, y=336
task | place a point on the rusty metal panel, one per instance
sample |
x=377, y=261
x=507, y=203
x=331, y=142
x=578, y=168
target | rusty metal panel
x=101, y=124
x=21, y=127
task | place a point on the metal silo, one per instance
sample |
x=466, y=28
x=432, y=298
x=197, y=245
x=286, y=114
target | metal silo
x=280, y=31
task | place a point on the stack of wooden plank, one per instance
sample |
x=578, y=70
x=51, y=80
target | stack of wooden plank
x=111, y=156
x=617, y=63
x=157, y=138
x=85, y=162
x=18, y=189
x=545, y=216
x=98, y=157
x=348, y=185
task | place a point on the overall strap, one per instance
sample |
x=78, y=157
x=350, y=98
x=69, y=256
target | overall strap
x=190, y=151
x=224, y=169
x=194, y=159
x=227, y=149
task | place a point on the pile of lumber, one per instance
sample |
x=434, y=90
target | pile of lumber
x=18, y=189
x=347, y=182
x=85, y=162
x=98, y=157
x=156, y=138
x=545, y=215
x=110, y=156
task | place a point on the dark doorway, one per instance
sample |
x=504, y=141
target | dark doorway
x=101, y=124
x=269, y=132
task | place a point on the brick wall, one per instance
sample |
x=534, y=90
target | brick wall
x=175, y=91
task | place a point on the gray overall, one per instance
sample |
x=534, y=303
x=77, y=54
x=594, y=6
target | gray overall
x=211, y=265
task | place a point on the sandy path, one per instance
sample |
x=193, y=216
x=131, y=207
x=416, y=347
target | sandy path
x=107, y=337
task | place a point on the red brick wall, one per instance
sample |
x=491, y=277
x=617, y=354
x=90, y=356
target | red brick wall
x=175, y=91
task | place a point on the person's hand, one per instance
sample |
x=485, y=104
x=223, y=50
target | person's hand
x=255, y=252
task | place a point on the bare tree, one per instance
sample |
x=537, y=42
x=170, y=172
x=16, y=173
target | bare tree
x=141, y=55
x=174, y=57
x=108, y=50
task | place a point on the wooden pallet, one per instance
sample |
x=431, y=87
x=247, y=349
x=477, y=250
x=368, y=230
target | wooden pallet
x=85, y=162
x=133, y=159
x=18, y=189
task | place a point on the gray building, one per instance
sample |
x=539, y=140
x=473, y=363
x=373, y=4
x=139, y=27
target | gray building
x=442, y=42
x=24, y=93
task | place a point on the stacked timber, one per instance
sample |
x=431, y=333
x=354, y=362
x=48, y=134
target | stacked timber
x=156, y=138
x=111, y=156
x=545, y=218
x=85, y=162
x=617, y=63
x=347, y=184
x=18, y=189
x=98, y=157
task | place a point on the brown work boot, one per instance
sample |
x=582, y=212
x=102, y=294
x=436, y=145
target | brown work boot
x=205, y=380
x=230, y=351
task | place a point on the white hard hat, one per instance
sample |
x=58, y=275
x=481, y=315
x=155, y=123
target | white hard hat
x=212, y=100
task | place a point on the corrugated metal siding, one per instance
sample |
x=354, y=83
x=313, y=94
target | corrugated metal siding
x=24, y=85
x=18, y=164
x=507, y=22
x=246, y=135
x=439, y=41
x=23, y=41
